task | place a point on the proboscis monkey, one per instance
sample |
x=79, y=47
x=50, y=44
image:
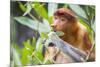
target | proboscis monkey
x=74, y=33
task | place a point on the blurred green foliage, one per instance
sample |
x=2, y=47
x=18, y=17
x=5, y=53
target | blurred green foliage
x=31, y=53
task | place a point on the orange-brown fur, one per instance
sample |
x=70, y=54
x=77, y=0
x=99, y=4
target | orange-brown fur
x=74, y=33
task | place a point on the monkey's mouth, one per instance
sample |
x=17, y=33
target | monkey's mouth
x=59, y=33
x=53, y=29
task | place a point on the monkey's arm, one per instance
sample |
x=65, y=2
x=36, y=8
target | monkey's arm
x=76, y=54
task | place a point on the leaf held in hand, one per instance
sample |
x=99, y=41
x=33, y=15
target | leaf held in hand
x=59, y=33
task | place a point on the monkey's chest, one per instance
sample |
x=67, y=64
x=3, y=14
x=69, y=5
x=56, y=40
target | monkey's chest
x=77, y=43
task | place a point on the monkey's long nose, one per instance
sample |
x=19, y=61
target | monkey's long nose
x=54, y=24
x=53, y=27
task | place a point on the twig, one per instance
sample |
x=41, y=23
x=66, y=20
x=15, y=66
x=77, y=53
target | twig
x=89, y=54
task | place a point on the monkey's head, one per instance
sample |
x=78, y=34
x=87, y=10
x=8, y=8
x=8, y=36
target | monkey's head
x=63, y=20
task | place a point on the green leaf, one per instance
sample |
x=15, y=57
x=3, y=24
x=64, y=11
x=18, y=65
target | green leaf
x=89, y=29
x=85, y=24
x=18, y=49
x=24, y=57
x=23, y=8
x=90, y=13
x=48, y=62
x=46, y=23
x=59, y=33
x=53, y=9
x=28, y=46
x=39, y=8
x=26, y=53
x=94, y=26
x=33, y=24
x=35, y=61
x=38, y=55
x=65, y=6
x=28, y=9
x=34, y=43
x=38, y=43
x=50, y=20
x=44, y=35
x=15, y=56
x=78, y=10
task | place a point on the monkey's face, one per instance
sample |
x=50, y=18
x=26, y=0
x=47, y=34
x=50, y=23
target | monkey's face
x=61, y=24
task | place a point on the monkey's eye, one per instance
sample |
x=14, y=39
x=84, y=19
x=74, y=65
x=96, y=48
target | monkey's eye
x=55, y=17
x=63, y=19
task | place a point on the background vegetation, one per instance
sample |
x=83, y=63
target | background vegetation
x=37, y=16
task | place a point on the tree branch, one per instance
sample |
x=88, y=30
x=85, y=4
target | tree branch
x=76, y=54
